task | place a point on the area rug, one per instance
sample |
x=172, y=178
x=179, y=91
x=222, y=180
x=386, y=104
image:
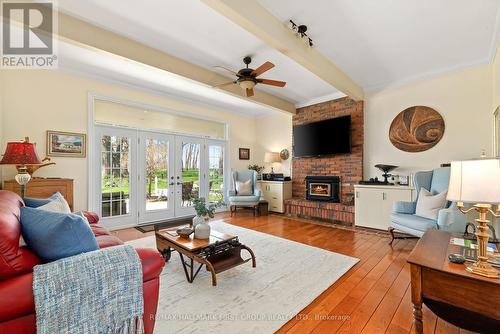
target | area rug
x=289, y=276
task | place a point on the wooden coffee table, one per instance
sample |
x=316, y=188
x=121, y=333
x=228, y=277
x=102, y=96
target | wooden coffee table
x=218, y=253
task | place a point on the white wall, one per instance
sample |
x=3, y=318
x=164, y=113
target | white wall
x=496, y=80
x=274, y=133
x=464, y=100
x=35, y=101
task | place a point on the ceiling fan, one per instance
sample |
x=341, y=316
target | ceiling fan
x=247, y=77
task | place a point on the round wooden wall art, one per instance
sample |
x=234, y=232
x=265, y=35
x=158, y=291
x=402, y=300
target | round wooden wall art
x=416, y=129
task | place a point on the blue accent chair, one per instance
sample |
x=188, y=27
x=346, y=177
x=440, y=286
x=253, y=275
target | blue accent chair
x=403, y=218
x=236, y=200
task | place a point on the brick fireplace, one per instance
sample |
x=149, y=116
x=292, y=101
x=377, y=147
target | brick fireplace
x=348, y=167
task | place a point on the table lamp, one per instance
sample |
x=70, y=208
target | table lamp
x=272, y=157
x=21, y=154
x=477, y=182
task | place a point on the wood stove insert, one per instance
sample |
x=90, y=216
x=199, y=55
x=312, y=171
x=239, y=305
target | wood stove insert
x=323, y=188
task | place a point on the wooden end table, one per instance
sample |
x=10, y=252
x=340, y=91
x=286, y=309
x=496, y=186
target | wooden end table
x=218, y=253
x=464, y=299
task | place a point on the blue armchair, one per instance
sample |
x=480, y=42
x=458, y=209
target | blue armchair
x=236, y=200
x=403, y=218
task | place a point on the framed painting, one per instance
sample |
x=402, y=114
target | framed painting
x=244, y=154
x=66, y=144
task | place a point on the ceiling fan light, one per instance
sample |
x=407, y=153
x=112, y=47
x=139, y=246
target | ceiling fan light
x=247, y=84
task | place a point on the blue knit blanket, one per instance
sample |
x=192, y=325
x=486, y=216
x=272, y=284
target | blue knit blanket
x=95, y=292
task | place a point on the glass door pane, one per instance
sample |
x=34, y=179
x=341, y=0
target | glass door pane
x=156, y=174
x=190, y=156
x=215, y=172
x=157, y=181
x=190, y=172
x=116, y=175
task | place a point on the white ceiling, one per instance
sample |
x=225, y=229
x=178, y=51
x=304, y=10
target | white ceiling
x=114, y=69
x=389, y=42
x=192, y=31
x=378, y=43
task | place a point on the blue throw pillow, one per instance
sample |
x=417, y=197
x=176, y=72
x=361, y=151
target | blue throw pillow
x=36, y=202
x=55, y=235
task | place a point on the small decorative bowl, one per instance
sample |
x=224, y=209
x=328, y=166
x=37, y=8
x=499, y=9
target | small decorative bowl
x=184, y=232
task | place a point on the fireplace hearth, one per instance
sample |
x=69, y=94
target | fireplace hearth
x=323, y=188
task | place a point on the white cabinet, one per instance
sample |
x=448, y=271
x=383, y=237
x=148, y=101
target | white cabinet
x=373, y=204
x=275, y=193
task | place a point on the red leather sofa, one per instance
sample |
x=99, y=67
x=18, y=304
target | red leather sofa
x=17, y=308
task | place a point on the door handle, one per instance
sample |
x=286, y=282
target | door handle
x=357, y=194
x=179, y=183
x=171, y=184
x=383, y=196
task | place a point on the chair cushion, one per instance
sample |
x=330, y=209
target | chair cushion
x=244, y=188
x=428, y=205
x=414, y=222
x=244, y=199
x=37, y=202
x=54, y=235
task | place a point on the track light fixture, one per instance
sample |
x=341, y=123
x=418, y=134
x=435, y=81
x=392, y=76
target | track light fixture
x=300, y=31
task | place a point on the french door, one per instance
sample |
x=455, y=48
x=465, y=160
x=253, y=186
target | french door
x=117, y=182
x=156, y=179
x=150, y=176
x=190, y=176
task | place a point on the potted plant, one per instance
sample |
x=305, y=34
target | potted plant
x=258, y=169
x=203, y=215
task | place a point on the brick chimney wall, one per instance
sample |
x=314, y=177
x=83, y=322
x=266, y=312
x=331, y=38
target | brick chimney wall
x=348, y=166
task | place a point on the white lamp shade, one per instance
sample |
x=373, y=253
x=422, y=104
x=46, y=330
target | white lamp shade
x=271, y=157
x=247, y=84
x=475, y=181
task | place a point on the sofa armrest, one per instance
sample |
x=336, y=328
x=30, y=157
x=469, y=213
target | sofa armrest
x=92, y=217
x=16, y=293
x=16, y=297
x=404, y=207
x=152, y=263
x=257, y=192
x=231, y=193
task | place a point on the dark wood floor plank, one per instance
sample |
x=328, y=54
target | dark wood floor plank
x=370, y=301
x=381, y=318
x=443, y=327
x=401, y=322
x=363, y=283
x=349, y=294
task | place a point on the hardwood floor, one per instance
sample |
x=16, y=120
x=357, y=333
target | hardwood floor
x=372, y=297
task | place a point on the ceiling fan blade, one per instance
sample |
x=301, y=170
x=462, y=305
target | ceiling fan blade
x=249, y=91
x=272, y=82
x=262, y=68
x=227, y=69
x=224, y=84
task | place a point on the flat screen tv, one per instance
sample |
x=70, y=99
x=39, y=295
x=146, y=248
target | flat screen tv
x=332, y=136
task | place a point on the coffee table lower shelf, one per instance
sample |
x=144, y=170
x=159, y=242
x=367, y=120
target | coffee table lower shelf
x=216, y=257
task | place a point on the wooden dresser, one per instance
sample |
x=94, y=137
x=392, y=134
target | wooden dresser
x=44, y=187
